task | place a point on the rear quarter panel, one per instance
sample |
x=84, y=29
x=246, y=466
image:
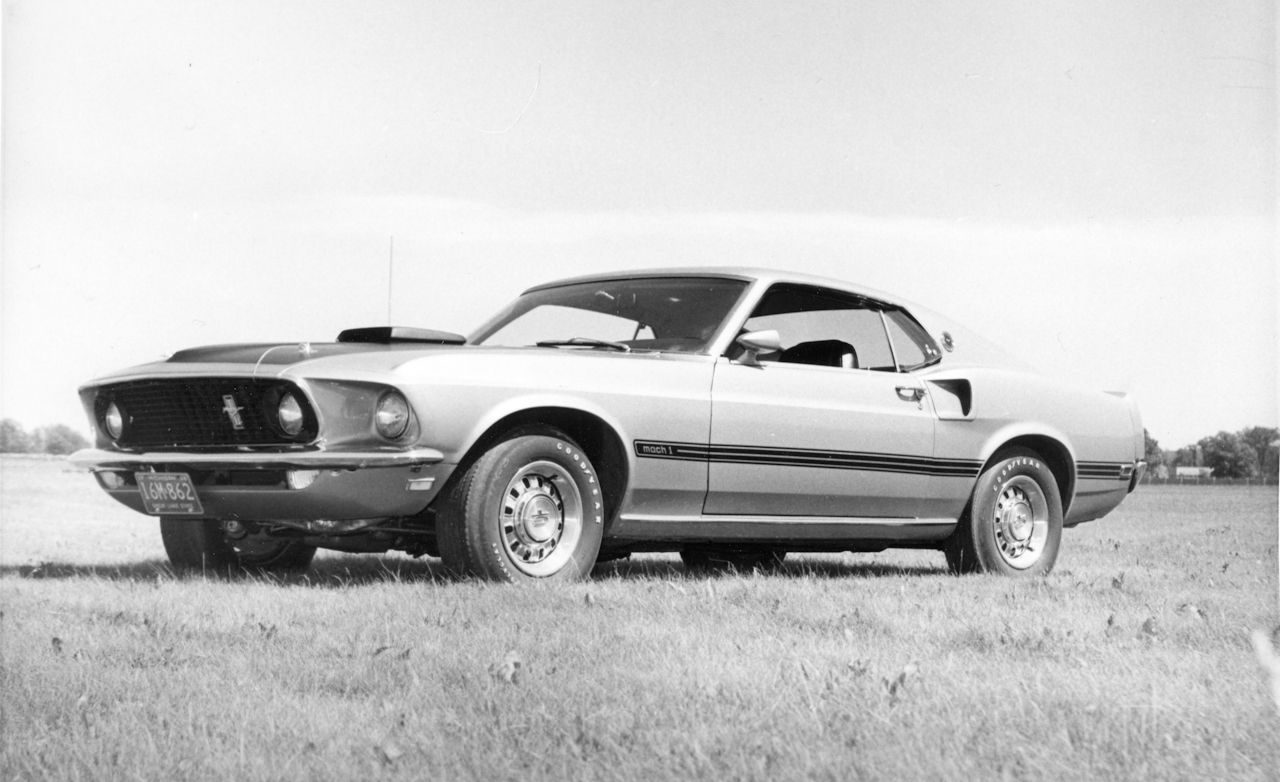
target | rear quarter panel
x=1095, y=428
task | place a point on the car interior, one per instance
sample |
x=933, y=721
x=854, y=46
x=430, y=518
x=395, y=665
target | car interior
x=824, y=328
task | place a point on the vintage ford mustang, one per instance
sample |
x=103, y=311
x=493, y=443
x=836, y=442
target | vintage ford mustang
x=732, y=415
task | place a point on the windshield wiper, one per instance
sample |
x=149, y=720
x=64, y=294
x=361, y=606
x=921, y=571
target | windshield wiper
x=584, y=342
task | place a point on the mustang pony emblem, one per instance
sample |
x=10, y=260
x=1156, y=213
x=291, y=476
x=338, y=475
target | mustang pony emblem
x=233, y=412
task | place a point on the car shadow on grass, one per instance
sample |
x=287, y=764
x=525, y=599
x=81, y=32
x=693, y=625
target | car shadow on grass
x=148, y=570
x=324, y=572
x=349, y=571
x=791, y=569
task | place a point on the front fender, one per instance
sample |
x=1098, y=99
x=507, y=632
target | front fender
x=515, y=405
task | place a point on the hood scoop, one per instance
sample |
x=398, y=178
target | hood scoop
x=388, y=335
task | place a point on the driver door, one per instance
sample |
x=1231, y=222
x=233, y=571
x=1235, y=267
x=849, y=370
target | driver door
x=826, y=426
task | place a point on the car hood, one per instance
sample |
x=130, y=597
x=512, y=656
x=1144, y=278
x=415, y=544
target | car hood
x=276, y=354
x=272, y=359
x=351, y=361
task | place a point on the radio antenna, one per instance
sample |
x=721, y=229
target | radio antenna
x=391, y=267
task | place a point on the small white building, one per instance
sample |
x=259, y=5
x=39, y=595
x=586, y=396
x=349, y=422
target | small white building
x=1194, y=472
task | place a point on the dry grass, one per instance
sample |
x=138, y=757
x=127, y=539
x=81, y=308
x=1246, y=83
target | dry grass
x=1132, y=660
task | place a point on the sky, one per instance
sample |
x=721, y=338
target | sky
x=1090, y=184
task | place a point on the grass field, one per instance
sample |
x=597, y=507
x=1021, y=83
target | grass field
x=1131, y=661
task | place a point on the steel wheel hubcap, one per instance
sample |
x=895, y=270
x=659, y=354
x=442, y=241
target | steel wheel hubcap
x=1021, y=521
x=541, y=518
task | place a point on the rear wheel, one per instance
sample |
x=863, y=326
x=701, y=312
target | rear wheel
x=529, y=508
x=1014, y=522
x=202, y=546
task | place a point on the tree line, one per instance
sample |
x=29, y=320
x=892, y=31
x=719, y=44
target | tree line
x=58, y=439
x=1249, y=453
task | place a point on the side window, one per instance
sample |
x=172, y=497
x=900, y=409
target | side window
x=824, y=328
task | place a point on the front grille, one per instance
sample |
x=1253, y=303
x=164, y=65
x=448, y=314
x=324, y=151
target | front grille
x=202, y=412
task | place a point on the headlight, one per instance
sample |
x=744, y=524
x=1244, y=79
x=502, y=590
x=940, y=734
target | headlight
x=289, y=414
x=392, y=415
x=113, y=420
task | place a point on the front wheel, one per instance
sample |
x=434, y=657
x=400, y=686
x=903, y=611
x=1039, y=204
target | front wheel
x=530, y=508
x=201, y=546
x=1014, y=522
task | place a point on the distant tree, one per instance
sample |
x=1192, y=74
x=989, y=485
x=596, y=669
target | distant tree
x=1265, y=442
x=1186, y=456
x=1270, y=467
x=1229, y=456
x=60, y=439
x=1154, y=455
x=13, y=438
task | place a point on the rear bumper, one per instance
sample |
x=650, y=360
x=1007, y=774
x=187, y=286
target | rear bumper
x=301, y=486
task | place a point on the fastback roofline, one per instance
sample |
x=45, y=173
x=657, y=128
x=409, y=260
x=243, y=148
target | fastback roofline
x=750, y=274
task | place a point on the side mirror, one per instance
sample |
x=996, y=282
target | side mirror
x=753, y=343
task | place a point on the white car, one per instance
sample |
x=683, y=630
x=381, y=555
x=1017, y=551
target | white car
x=732, y=415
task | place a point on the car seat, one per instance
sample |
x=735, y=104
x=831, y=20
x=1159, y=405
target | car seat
x=822, y=353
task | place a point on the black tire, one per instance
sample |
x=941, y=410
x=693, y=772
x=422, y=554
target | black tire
x=1013, y=525
x=200, y=546
x=704, y=559
x=529, y=508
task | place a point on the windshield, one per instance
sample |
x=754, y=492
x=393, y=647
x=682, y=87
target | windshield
x=679, y=314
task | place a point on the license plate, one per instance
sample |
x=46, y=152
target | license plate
x=169, y=494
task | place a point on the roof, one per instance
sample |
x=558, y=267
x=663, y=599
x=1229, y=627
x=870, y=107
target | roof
x=750, y=274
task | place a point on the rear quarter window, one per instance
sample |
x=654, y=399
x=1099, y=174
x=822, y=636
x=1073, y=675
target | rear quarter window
x=912, y=345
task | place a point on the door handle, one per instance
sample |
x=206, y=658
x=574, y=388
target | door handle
x=910, y=393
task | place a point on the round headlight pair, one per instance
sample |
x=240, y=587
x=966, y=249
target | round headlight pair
x=113, y=421
x=289, y=415
x=391, y=418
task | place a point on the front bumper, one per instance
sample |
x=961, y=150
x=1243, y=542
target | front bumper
x=1139, y=470
x=96, y=459
x=283, y=486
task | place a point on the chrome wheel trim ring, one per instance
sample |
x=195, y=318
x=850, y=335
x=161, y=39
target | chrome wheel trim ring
x=541, y=518
x=1020, y=522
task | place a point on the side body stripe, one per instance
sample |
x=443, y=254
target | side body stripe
x=806, y=457
x=847, y=460
x=1106, y=471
